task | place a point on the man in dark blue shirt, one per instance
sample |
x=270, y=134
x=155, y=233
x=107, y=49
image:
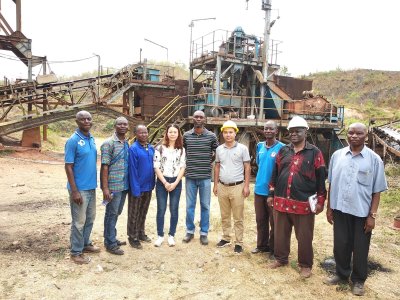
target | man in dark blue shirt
x=141, y=184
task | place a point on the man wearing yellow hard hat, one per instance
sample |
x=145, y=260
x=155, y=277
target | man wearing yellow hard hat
x=231, y=184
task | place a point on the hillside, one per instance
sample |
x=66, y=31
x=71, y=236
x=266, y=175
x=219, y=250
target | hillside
x=371, y=92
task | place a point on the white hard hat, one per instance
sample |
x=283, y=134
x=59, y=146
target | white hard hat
x=229, y=124
x=297, y=121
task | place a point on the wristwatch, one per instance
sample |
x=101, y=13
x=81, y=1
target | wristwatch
x=372, y=215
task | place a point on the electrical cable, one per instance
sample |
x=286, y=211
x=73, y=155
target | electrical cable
x=9, y=57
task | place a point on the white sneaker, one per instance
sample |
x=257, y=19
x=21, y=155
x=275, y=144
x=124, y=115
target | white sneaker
x=159, y=241
x=171, y=241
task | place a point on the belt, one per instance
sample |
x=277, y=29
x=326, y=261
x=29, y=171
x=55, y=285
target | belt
x=231, y=184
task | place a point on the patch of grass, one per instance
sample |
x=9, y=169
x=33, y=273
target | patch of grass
x=294, y=265
x=63, y=128
x=7, y=152
x=215, y=222
x=343, y=287
x=392, y=170
x=60, y=253
x=391, y=198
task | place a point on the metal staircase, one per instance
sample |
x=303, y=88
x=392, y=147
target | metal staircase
x=169, y=114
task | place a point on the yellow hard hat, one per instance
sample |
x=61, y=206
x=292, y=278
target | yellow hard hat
x=229, y=124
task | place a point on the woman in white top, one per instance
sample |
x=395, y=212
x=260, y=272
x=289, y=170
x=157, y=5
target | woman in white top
x=169, y=166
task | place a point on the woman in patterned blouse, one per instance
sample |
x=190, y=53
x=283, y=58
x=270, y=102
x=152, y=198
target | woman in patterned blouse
x=169, y=166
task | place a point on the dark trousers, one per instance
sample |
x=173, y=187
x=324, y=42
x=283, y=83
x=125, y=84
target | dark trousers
x=350, y=239
x=265, y=221
x=137, y=211
x=304, y=230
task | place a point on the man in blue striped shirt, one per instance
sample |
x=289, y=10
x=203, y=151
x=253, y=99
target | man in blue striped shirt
x=114, y=182
x=200, y=145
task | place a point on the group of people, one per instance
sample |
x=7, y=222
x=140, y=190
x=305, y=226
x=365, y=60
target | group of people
x=289, y=190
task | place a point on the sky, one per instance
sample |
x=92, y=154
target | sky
x=316, y=35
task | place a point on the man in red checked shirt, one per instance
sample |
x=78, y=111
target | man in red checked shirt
x=299, y=173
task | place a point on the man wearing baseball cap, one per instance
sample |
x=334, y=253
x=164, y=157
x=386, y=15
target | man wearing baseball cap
x=231, y=184
x=298, y=175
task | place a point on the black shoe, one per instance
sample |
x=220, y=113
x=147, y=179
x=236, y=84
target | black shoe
x=136, y=244
x=119, y=243
x=223, y=243
x=145, y=238
x=116, y=250
x=258, y=250
x=238, y=249
x=203, y=240
x=188, y=237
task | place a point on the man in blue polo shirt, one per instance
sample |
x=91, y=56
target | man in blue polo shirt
x=80, y=167
x=265, y=158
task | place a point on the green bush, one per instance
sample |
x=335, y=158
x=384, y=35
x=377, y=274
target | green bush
x=109, y=126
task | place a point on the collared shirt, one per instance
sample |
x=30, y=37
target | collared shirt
x=199, y=152
x=265, y=159
x=297, y=176
x=169, y=161
x=114, y=153
x=141, y=169
x=353, y=179
x=80, y=150
x=231, y=162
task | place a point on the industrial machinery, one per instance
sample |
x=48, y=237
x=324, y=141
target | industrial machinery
x=239, y=81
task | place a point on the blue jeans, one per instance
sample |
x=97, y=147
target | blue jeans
x=82, y=220
x=113, y=210
x=174, y=197
x=203, y=186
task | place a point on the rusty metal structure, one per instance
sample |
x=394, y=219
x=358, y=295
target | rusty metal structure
x=385, y=140
x=142, y=94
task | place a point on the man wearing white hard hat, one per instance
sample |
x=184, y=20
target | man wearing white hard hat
x=231, y=184
x=297, y=180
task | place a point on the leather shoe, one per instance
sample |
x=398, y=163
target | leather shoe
x=116, y=250
x=135, y=244
x=80, y=259
x=91, y=249
x=305, y=272
x=203, y=240
x=334, y=280
x=144, y=238
x=276, y=264
x=119, y=243
x=258, y=250
x=188, y=237
x=358, y=289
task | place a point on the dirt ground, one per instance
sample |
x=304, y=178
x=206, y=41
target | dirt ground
x=34, y=245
